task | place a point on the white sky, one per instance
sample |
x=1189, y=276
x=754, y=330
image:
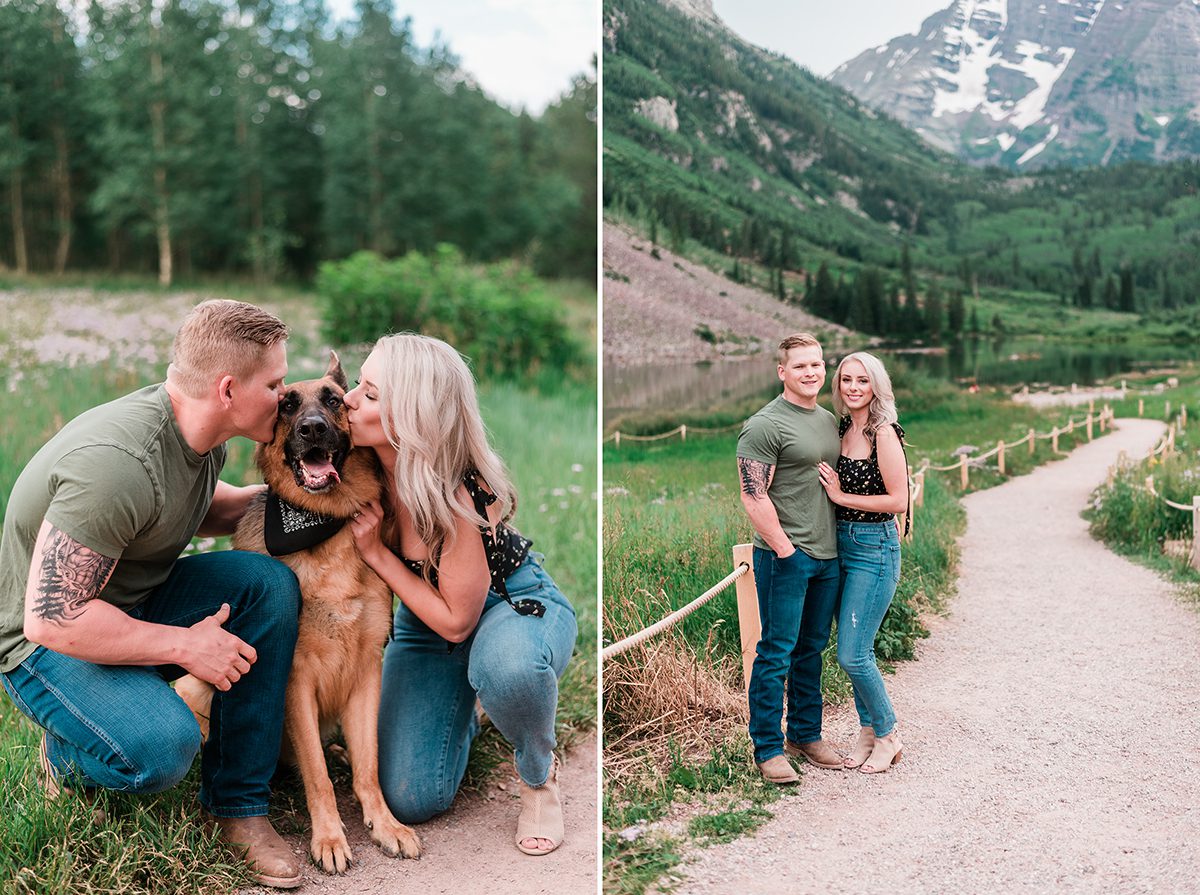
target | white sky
x=822, y=34
x=521, y=52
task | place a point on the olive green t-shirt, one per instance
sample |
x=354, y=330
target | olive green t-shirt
x=794, y=440
x=119, y=479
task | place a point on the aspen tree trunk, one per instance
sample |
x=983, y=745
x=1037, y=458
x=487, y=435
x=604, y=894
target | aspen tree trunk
x=64, y=205
x=17, y=205
x=162, y=218
x=376, y=237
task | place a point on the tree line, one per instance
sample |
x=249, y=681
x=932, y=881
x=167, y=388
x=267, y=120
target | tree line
x=259, y=137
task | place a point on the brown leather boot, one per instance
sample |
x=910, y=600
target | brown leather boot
x=818, y=753
x=778, y=770
x=272, y=862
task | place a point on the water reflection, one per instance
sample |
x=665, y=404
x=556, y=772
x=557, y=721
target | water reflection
x=1012, y=362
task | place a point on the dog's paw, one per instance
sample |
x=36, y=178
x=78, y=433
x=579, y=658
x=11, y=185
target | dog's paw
x=331, y=852
x=395, y=838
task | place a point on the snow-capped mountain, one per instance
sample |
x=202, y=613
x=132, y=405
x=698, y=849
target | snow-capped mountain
x=1026, y=83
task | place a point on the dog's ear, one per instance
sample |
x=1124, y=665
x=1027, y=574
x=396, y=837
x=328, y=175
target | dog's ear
x=335, y=372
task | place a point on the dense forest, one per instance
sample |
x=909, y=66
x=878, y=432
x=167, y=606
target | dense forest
x=259, y=137
x=830, y=204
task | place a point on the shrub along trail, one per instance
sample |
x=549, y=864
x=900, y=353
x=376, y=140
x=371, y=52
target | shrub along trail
x=1050, y=726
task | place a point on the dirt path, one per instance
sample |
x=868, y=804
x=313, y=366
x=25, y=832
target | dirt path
x=1050, y=727
x=469, y=850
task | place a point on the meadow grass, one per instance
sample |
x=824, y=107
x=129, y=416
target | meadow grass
x=546, y=433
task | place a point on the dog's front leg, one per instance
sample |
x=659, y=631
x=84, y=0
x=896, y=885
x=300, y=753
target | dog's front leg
x=360, y=725
x=329, y=847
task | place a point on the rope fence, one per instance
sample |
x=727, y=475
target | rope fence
x=678, y=615
x=682, y=431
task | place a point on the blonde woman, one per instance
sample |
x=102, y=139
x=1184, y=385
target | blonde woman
x=478, y=616
x=869, y=486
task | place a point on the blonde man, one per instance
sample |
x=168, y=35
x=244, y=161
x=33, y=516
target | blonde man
x=779, y=453
x=98, y=612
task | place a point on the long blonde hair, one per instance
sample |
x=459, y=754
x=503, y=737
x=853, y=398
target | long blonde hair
x=882, y=410
x=430, y=415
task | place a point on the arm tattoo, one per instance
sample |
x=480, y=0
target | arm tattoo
x=756, y=477
x=72, y=576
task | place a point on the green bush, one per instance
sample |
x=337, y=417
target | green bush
x=1128, y=515
x=498, y=315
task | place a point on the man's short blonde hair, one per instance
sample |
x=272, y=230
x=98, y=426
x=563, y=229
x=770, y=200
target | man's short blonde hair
x=222, y=337
x=796, y=340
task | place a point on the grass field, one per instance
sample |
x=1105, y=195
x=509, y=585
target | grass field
x=546, y=432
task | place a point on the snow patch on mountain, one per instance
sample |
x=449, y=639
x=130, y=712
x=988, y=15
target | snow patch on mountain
x=1035, y=150
x=1038, y=64
x=967, y=55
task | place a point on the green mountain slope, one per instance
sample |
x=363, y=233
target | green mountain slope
x=719, y=148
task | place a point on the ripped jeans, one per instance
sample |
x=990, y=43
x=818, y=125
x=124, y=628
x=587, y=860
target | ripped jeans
x=869, y=556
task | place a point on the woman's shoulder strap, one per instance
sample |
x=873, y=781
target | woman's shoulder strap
x=480, y=496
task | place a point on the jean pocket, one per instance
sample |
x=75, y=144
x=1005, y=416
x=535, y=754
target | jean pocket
x=893, y=553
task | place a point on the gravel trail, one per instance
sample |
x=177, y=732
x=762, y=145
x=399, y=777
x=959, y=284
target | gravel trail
x=1050, y=727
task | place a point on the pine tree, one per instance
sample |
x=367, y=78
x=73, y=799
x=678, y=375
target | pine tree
x=933, y=312
x=1126, y=299
x=956, y=314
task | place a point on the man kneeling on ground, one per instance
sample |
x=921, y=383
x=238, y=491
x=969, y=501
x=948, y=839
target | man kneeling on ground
x=98, y=611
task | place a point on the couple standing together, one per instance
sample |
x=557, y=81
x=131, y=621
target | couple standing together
x=822, y=493
x=98, y=612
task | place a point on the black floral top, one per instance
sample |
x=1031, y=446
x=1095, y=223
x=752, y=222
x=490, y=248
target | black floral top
x=864, y=478
x=506, y=549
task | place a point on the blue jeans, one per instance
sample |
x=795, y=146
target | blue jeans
x=123, y=727
x=796, y=601
x=511, y=662
x=869, y=554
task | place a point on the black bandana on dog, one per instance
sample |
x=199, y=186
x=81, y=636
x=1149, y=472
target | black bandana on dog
x=288, y=528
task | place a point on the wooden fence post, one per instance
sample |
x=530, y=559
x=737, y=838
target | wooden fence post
x=1032, y=436
x=1124, y=388
x=683, y=433
x=1070, y=427
x=963, y=474
x=1170, y=439
x=1182, y=417
x=1195, y=532
x=1089, y=425
x=1167, y=411
x=617, y=438
x=749, y=624
x=1000, y=457
x=1141, y=406
x=919, y=484
x=1054, y=439
x=1108, y=481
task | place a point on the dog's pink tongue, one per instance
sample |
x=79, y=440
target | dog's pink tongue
x=317, y=472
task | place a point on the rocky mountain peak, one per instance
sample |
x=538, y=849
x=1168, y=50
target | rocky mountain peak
x=1027, y=83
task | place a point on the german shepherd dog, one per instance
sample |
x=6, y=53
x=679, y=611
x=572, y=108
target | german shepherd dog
x=316, y=480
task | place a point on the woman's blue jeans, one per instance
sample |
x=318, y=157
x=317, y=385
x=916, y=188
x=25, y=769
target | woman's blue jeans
x=511, y=663
x=124, y=728
x=796, y=601
x=869, y=555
